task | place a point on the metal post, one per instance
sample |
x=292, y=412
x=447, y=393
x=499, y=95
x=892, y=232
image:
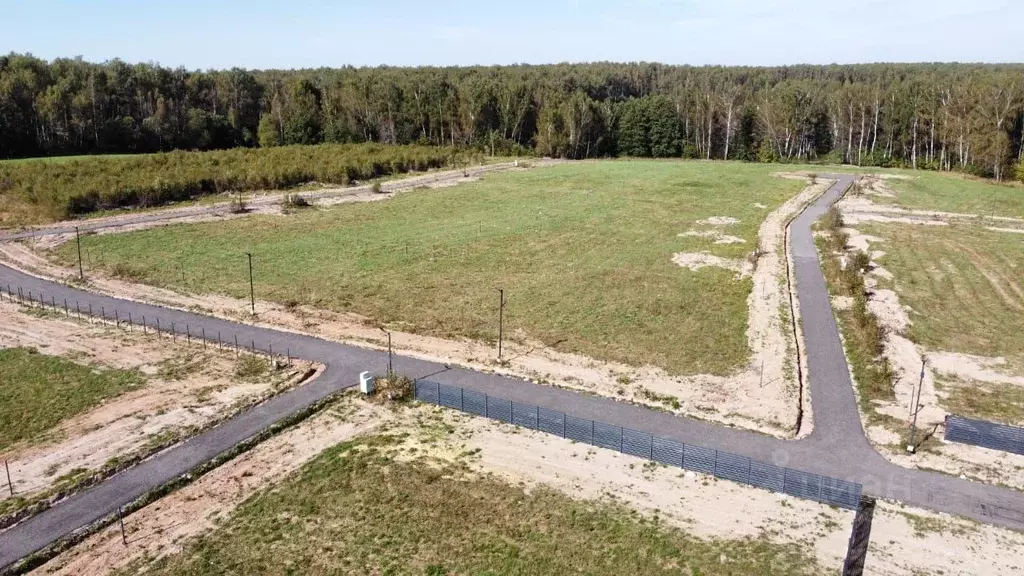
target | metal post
x=204, y=337
x=66, y=313
x=501, y=319
x=188, y=335
x=218, y=340
x=117, y=320
x=914, y=409
x=252, y=291
x=173, y=333
x=289, y=352
x=143, y=324
x=391, y=369
x=129, y=321
x=10, y=485
x=81, y=271
x=120, y=517
x=236, y=345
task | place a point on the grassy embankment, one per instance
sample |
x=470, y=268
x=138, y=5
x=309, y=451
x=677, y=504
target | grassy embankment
x=36, y=191
x=966, y=287
x=583, y=251
x=357, y=510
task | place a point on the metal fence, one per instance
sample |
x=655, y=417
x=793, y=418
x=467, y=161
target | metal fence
x=985, y=434
x=720, y=464
x=152, y=325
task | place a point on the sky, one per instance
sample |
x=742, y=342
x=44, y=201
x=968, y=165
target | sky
x=308, y=34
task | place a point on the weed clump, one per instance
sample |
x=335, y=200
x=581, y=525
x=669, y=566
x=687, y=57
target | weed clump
x=251, y=366
x=395, y=388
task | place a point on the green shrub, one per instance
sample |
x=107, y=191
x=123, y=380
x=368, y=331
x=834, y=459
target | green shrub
x=58, y=190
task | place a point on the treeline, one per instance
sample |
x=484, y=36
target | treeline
x=36, y=191
x=964, y=117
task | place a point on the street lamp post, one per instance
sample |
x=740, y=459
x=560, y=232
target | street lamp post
x=252, y=291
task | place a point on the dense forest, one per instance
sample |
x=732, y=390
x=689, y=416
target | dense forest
x=965, y=117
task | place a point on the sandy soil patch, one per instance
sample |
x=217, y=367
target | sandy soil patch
x=970, y=367
x=696, y=260
x=714, y=235
x=1008, y=230
x=186, y=388
x=765, y=396
x=719, y=221
x=904, y=541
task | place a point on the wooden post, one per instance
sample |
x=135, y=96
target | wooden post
x=860, y=536
x=10, y=485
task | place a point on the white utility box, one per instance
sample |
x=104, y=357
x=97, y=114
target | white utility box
x=366, y=383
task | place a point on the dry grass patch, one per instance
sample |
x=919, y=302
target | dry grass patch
x=356, y=509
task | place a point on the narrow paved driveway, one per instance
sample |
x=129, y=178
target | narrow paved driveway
x=837, y=446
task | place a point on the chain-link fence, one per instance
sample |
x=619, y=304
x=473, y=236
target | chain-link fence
x=706, y=460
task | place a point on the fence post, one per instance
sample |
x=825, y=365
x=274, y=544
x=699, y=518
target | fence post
x=10, y=485
x=591, y=432
x=20, y=295
x=66, y=313
x=236, y=345
x=117, y=319
x=188, y=335
x=129, y=321
x=158, y=325
x=437, y=386
x=860, y=537
x=173, y=333
x=204, y=337
x=462, y=399
x=143, y=323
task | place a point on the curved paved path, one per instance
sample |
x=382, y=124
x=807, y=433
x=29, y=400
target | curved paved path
x=836, y=447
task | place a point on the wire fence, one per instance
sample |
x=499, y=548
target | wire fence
x=720, y=464
x=147, y=324
x=985, y=434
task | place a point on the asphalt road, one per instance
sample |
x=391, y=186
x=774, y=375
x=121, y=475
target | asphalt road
x=836, y=447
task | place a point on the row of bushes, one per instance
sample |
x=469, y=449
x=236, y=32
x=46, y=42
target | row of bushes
x=865, y=337
x=59, y=190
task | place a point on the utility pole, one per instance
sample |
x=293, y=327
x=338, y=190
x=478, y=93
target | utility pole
x=501, y=319
x=81, y=271
x=252, y=292
x=914, y=409
x=390, y=367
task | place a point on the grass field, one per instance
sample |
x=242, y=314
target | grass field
x=583, y=252
x=965, y=285
x=39, y=391
x=356, y=510
x=956, y=193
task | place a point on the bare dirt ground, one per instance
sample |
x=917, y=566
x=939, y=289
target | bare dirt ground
x=186, y=388
x=906, y=357
x=764, y=397
x=904, y=541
